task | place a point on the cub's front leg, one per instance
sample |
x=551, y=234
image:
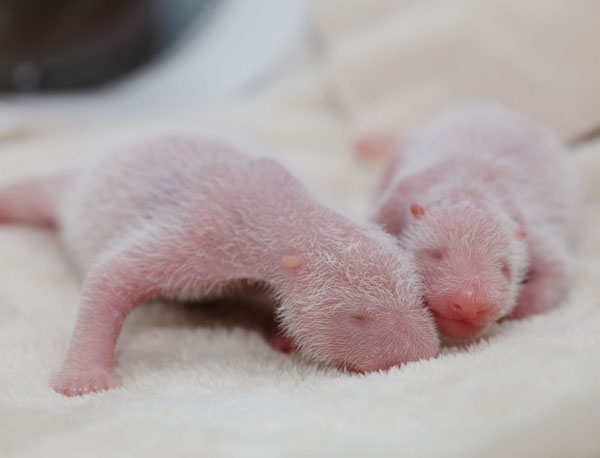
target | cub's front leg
x=113, y=288
x=546, y=282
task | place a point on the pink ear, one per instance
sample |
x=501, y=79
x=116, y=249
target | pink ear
x=417, y=210
x=521, y=235
x=291, y=262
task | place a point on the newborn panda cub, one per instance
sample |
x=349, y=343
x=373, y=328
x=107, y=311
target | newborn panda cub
x=192, y=218
x=485, y=201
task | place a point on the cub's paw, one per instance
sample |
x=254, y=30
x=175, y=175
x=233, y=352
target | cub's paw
x=280, y=342
x=77, y=382
x=532, y=299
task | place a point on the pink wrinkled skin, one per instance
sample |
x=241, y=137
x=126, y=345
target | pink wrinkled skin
x=485, y=201
x=188, y=218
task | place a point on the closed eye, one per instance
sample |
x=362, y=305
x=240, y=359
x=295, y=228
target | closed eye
x=437, y=254
x=359, y=316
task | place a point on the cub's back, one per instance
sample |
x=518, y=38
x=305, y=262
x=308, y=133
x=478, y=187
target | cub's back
x=535, y=170
x=145, y=187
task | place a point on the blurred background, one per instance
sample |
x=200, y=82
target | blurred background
x=391, y=63
x=90, y=58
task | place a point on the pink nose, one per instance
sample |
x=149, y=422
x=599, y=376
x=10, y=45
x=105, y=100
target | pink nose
x=465, y=309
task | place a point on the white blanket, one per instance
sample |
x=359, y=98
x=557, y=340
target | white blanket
x=529, y=388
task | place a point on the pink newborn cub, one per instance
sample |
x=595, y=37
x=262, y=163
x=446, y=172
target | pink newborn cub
x=485, y=201
x=191, y=218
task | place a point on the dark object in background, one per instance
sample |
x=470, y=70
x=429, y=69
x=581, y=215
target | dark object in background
x=66, y=44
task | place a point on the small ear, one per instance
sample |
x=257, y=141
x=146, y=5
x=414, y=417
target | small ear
x=521, y=234
x=291, y=262
x=417, y=210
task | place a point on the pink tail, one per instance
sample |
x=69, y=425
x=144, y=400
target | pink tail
x=31, y=202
